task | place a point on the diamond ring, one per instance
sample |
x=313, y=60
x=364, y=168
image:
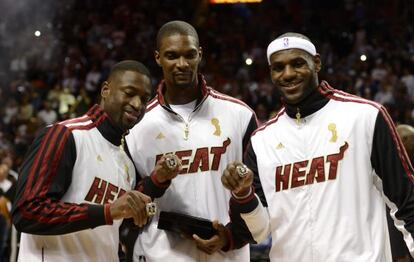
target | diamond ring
x=171, y=162
x=241, y=170
x=151, y=209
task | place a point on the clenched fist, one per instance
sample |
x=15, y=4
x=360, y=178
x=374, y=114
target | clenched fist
x=131, y=204
x=238, y=178
x=167, y=168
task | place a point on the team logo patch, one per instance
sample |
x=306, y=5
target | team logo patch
x=286, y=42
x=160, y=136
x=280, y=146
x=215, y=122
x=332, y=129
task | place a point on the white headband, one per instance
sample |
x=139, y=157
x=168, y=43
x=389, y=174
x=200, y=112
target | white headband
x=288, y=43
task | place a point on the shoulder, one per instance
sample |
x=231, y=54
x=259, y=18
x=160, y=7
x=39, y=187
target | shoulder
x=84, y=122
x=354, y=104
x=270, y=123
x=153, y=103
x=54, y=137
x=72, y=129
x=76, y=123
x=234, y=103
x=350, y=101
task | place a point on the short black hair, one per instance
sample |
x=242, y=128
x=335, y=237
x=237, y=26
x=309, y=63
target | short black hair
x=129, y=65
x=293, y=34
x=176, y=28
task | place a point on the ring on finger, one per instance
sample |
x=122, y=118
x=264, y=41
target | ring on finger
x=171, y=162
x=241, y=170
x=151, y=209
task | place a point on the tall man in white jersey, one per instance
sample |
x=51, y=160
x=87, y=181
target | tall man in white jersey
x=206, y=130
x=323, y=169
x=75, y=184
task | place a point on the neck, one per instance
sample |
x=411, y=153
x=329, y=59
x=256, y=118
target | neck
x=310, y=104
x=179, y=96
x=105, y=125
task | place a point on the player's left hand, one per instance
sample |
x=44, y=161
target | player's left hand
x=215, y=243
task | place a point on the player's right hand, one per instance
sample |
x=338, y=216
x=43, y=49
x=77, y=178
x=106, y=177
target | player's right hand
x=216, y=242
x=238, y=183
x=132, y=204
x=167, y=168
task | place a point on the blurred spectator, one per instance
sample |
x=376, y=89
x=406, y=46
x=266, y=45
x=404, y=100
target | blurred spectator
x=47, y=115
x=262, y=114
x=82, y=104
x=25, y=109
x=385, y=94
x=92, y=80
x=408, y=80
x=7, y=190
x=66, y=101
x=11, y=111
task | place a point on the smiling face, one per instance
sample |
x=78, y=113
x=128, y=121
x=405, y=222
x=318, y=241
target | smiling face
x=294, y=72
x=124, y=97
x=179, y=56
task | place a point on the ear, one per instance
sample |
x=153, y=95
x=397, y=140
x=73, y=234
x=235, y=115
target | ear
x=157, y=57
x=318, y=63
x=105, y=90
x=200, y=52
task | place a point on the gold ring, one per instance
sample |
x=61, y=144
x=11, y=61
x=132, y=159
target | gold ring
x=171, y=162
x=241, y=170
x=151, y=209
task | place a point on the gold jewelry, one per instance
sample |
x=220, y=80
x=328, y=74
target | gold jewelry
x=241, y=170
x=151, y=209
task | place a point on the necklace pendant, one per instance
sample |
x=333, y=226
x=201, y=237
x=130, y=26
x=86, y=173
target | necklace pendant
x=122, y=145
x=298, y=116
x=186, y=132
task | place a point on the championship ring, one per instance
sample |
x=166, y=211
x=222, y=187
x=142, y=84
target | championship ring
x=241, y=170
x=171, y=162
x=151, y=209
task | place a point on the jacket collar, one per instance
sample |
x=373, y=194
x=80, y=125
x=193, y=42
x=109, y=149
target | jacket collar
x=162, y=87
x=312, y=103
x=109, y=130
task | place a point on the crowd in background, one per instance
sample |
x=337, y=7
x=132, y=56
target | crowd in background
x=367, y=49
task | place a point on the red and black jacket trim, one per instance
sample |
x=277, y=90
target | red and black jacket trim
x=46, y=174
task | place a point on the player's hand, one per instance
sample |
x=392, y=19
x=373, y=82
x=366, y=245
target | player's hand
x=4, y=210
x=167, y=168
x=215, y=243
x=131, y=205
x=237, y=178
x=403, y=259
